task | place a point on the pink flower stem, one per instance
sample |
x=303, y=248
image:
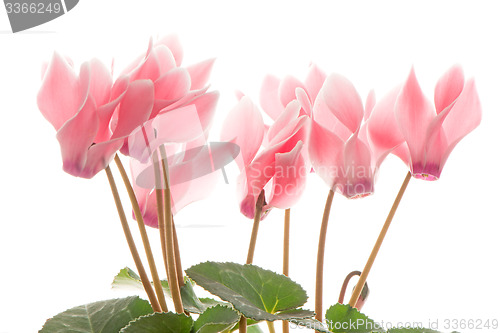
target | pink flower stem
x=145, y=240
x=344, y=285
x=251, y=247
x=130, y=240
x=173, y=281
x=286, y=254
x=321, y=257
x=159, y=206
x=178, y=264
x=380, y=239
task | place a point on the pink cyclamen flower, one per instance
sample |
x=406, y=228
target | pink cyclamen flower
x=339, y=146
x=174, y=86
x=91, y=114
x=431, y=132
x=280, y=169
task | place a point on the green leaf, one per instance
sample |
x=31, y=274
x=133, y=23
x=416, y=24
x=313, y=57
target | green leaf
x=127, y=278
x=216, y=319
x=342, y=318
x=160, y=323
x=310, y=323
x=257, y=293
x=194, y=304
x=104, y=316
x=254, y=329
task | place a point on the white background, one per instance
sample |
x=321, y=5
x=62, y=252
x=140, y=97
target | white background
x=60, y=238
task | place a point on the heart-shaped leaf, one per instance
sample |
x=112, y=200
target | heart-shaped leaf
x=346, y=319
x=216, y=319
x=166, y=322
x=104, y=316
x=257, y=293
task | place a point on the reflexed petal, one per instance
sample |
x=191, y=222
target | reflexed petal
x=357, y=171
x=244, y=126
x=289, y=179
x=448, y=88
x=369, y=104
x=100, y=155
x=76, y=136
x=314, y=81
x=200, y=73
x=174, y=44
x=269, y=97
x=343, y=101
x=286, y=90
x=59, y=98
x=165, y=58
x=149, y=68
x=135, y=107
x=205, y=106
x=100, y=82
x=172, y=85
x=322, y=115
x=326, y=154
x=304, y=101
x=291, y=113
x=414, y=113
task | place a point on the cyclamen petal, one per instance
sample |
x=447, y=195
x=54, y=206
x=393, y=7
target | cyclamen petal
x=314, y=81
x=357, y=170
x=200, y=73
x=269, y=97
x=172, y=85
x=448, y=88
x=286, y=90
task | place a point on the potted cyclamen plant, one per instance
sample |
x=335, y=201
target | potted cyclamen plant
x=158, y=114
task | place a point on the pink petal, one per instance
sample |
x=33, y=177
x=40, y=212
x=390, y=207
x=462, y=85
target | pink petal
x=206, y=106
x=200, y=73
x=76, y=136
x=314, y=81
x=448, y=88
x=105, y=112
x=357, y=171
x=297, y=128
x=343, y=101
x=173, y=85
x=413, y=115
x=383, y=131
x=100, y=82
x=59, y=97
x=174, y=44
x=244, y=126
x=289, y=179
x=369, y=104
x=286, y=90
x=269, y=99
x=322, y=115
x=165, y=58
x=100, y=155
x=135, y=107
x=304, y=101
x=149, y=67
x=291, y=113
x=326, y=154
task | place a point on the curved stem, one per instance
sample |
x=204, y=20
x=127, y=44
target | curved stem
x=344, y=285
x=286, y=254
x=380, y=239
x=270, y=326
x=321, y=257
x=159, y=209
x=130, y=240
x=178, y=263
x=173, y=282
x=145, y=240
x=255, y=228
x=242, y=327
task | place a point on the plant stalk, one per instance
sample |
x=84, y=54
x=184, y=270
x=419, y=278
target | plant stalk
x=286, y=255
x=130, y=240
x=255, y=228
x=145, y=240
x=173, y=281
x=380, y=239
x=321, y=257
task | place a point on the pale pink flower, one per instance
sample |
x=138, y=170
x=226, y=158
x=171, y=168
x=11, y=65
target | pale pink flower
x=91, y=114
x=431, y=132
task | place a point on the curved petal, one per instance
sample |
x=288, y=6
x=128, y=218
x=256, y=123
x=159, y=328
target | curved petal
x=448, y=88
x=205, y=106
x=322, y=115
x=100, y=82
x=326, y=154
x=200, y=73
x=135, y=107
x=148, y=68
x=314, y=81
x=59, y=97
x=100, y=155
x=357, y=171
x=269, y=97
x=343, y=101
x=414, y=113
x=165, y=58
x=172, y=85
x=174, y=45
x=244, y=126
x=286, y=89
x=304, y=101
x=383, y=131
x=289, y=179
x=369, y=104
x=291, y=113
